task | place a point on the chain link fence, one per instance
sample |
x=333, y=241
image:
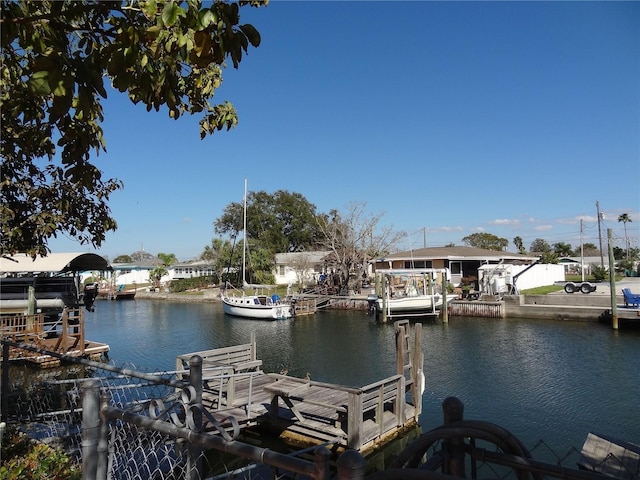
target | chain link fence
x=125, y=423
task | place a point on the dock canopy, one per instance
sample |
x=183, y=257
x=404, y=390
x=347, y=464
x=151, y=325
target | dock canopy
x=53, y=263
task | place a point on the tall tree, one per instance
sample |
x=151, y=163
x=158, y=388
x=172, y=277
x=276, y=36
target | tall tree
x=540, y=245
x=486, y=240
x=517, y=241
x=624, y=218
x=588, y=250
x=279, y=222
x=226, y=258
x=562, y=249
x=55, y=58
x=167, y=259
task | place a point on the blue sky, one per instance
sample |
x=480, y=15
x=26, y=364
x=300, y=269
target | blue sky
x=512, y=118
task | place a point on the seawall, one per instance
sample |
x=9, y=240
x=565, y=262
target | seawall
x=575, y=307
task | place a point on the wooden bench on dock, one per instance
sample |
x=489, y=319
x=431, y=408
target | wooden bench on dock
x=222, y=369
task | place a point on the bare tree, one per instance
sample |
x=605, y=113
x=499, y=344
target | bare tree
x=354, y=237
x=301, y=263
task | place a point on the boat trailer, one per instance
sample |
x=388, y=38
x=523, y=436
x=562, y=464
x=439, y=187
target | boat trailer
x=584, y=287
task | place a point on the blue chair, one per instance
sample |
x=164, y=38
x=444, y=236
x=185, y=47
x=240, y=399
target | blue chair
x=630, y=299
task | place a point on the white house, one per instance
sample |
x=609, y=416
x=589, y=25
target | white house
x=299, y=267
x=200, y=268
x=572, y=264
x=133, y=273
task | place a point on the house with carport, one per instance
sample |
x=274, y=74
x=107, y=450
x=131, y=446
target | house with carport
x=464, y=263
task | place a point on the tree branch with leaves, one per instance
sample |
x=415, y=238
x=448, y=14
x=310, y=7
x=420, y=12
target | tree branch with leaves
x=55, y=58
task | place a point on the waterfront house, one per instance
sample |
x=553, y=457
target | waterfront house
x=133, y=273
x=463, y=262
x=299, y=268
x=198, y=268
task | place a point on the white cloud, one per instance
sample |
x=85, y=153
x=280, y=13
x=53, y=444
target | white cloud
x=542, y=228
x=505, y=221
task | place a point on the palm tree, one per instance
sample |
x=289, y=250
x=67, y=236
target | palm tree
x=624, y=218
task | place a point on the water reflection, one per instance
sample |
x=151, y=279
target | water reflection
x=539, y=379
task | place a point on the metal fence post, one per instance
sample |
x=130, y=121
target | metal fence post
x=90, y=428
x=453, y=411
x=103, y=442
x=194, y=462
x=322, y=457
x=351, y=466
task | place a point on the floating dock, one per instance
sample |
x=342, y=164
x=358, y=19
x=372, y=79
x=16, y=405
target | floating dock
x=306, y=413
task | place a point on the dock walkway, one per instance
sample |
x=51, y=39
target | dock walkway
x=305, y=412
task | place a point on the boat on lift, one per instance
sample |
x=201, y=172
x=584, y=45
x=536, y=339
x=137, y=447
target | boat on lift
x=410, y=293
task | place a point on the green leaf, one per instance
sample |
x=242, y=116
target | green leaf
x=39, y=83
x=171, y=12
x=251, y=33
x=206, y=18
x=150, y=7
x=202, y=43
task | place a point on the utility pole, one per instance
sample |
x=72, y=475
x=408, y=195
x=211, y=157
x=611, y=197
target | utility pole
x=581, y=253
x=600, y=235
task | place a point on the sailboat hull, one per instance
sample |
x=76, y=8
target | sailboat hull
x=257, y=307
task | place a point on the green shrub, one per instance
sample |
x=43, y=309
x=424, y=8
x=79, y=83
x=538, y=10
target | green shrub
x=599, y=273
x=184, y=284
x=25, y=459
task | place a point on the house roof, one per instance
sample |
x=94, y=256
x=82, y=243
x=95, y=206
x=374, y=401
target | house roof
x=53, y=263
x=195, y=263
x=455, y=253
x=311, y=257
x=592, y=260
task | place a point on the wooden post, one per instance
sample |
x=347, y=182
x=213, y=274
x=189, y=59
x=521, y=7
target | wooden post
x=384, y=298
x=445, y=312
x=612, y=282
x=354, y=420
x=31, y=301
x=418, y=370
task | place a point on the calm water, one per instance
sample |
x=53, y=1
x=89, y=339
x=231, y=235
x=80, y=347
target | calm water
x=541, y=380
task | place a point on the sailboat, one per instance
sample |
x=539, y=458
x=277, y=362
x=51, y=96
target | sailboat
x=258, y=307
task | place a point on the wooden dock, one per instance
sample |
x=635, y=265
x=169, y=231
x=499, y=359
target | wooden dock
x=304, y=412
x=64, y=337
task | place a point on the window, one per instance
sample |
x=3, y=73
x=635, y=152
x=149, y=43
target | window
x=418, y=264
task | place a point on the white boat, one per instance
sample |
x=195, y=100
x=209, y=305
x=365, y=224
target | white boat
x=260, y=307
x=257, y=306
x=410, y=293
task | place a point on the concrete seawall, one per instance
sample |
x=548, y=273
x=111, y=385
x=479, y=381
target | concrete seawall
x=591, y=307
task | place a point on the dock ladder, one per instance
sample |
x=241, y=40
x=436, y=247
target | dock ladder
x=410, y=361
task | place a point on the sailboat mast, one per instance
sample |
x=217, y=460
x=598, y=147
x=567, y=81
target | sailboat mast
x=244, y=235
